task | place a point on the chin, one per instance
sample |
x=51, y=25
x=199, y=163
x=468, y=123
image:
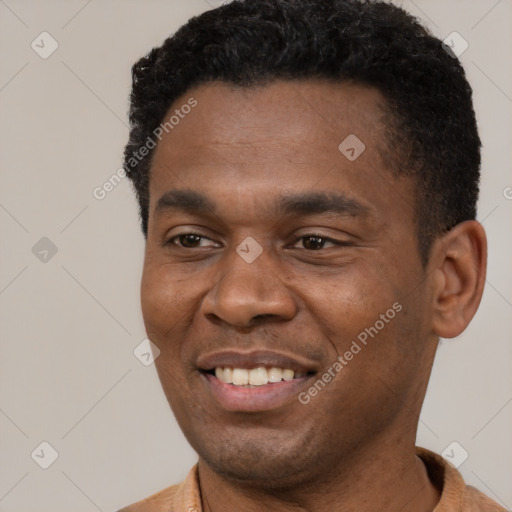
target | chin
x=265, y=460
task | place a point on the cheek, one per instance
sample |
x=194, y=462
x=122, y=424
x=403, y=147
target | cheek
x=348, y=302
x=166, y=301
x=369, y=323
x=167, y=309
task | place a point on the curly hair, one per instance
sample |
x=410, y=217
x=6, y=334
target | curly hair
x=432, y=137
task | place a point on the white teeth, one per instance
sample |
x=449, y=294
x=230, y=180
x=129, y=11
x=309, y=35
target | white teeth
x=240, y=376
x=227, y=375
x=256, y=376
x=288, y=374
x=275, y=375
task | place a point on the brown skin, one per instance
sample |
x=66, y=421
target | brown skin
x=352, y=447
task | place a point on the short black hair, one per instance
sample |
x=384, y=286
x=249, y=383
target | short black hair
x=433, y=135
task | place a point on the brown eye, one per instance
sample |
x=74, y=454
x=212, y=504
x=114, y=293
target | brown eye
x=189, y=240
x=315, y=242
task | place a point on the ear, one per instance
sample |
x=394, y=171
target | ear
x=460, y=262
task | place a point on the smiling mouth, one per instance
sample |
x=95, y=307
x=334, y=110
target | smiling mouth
x=255, y=382
x=255, y=377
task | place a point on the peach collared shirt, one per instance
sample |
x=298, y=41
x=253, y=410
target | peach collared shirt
x=456, y=496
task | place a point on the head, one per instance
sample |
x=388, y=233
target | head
x=307, y=175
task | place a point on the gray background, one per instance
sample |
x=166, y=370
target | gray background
x=69, y=323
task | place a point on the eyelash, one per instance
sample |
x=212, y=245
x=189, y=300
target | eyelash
x=308, y=235
x=188, y=233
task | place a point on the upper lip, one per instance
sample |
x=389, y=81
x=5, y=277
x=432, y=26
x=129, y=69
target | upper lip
x=255, y=359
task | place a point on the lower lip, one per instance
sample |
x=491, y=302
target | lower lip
x=260, y=398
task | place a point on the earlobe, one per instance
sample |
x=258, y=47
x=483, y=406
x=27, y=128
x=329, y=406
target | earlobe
x=460, y=258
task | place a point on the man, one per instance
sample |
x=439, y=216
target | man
x=307, y=173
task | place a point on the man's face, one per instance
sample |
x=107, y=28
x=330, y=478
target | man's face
x=270, y=247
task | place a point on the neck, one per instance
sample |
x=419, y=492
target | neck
x=383, y=478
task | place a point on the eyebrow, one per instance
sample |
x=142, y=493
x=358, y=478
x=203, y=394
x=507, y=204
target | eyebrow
x=309, y=203
x=312, y=203
x=188, y=201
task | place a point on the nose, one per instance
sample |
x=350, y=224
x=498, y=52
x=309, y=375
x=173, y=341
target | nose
x=247, y=293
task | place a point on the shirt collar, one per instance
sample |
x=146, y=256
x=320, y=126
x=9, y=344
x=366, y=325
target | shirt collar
x=444, y=476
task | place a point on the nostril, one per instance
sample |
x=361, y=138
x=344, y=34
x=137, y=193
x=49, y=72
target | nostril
x=266, y=316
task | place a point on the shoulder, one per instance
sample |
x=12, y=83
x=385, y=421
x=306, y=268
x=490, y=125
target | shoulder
x=476, y=501
x=456, y=496
x=185, y=496
x=159, y=502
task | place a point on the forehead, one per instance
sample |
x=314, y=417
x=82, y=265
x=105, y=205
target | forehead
x=285, y=136
x=305, y=114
